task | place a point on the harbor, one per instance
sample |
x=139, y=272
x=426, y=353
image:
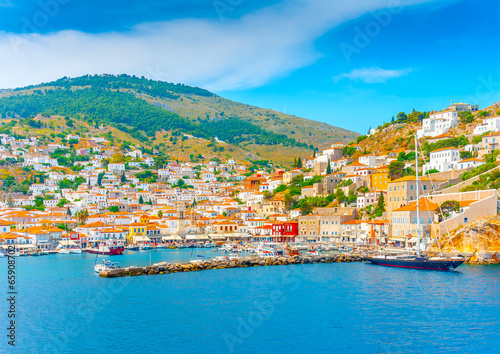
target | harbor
x=225, y=263
x=343, y=299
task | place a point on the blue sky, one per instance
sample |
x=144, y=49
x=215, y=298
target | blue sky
x=353, y=64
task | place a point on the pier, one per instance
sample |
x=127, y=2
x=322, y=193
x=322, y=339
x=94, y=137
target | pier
x=166, y=268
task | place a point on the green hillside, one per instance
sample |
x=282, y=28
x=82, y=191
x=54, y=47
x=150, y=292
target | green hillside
x=142, y=108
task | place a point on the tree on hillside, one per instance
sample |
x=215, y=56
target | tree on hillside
x=299, y=163
x=392, y=120
x=123, y=178
x=396, y=169
x=306, y=208
x=99, y=178
x=328, y=168
x=379, y=210
x=401, y=117
x=465, y=155
x=141, y=200
x=465, y=117
x=415, y=116
x=447, y=208
x=160, y=214
x=82, y=216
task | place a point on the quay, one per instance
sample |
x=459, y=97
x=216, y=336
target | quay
x=166, y=268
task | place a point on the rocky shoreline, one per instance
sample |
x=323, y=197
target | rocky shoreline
x=166, y=268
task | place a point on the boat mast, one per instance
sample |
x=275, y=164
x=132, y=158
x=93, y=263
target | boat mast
x=418, y=204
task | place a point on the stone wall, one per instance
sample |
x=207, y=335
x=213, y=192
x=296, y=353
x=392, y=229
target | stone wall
x=456, y=188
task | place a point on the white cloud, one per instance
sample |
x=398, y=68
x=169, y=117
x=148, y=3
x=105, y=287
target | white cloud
x=218, y=55
x=372, y=75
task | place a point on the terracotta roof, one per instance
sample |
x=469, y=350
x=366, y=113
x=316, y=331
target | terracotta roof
x=424, y=205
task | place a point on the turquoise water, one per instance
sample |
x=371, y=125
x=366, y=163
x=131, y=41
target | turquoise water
x=64, y=307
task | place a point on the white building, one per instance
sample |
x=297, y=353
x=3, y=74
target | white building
x=442, y=159
x=438, y=123
x=368, y=160
x=116, y=167
x=367, y=199
x=472, y=162
x=490, y=124
x=460, y=107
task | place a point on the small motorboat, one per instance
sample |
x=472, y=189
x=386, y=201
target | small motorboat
x=76, y=250
x=105, y=265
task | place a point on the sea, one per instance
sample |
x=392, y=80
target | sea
x=62, y=306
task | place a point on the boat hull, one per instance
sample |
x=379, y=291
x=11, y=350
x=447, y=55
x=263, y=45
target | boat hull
x=107, y=251
x=443, y=265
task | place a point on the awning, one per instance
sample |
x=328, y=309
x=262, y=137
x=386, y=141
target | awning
x=196, y=237
x=66, y=243
x=141, y=239
x=413, y=239
x=400, y=239
x=171, y=238
x=311, y=238
x=218, y=237
x=25, y=246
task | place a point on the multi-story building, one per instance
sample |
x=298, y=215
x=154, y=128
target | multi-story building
x=379, y=178
x=404, y=219
x=438, y=123
x=490, y=124
x=442, y=159
x=491, y=142
x=402, y=191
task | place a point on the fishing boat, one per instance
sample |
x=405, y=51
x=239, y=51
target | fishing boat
x=132, y=247
x=105, y=265
x=417, y=261
x=107, y=249
x=145, y=247
x=76, y=250
x=63, y=251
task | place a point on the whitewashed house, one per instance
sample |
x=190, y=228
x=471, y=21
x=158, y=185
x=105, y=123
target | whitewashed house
x=490, y=124
x=442, y=159
x=472, y=162
x=438, y=123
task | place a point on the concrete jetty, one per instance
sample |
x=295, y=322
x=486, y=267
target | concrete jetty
x=166, y=268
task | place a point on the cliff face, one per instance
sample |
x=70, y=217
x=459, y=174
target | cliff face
x=481, y=238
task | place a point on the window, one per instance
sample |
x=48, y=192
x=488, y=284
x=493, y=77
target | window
x=466, y=220
x=425, y=187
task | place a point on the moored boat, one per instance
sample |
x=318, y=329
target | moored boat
x=108, y=250
x=416, y=262
x=105, y=265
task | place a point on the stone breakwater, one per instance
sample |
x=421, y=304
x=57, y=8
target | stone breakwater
x=166, y=268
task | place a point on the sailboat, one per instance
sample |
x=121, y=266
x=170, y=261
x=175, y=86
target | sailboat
x=417, y=261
